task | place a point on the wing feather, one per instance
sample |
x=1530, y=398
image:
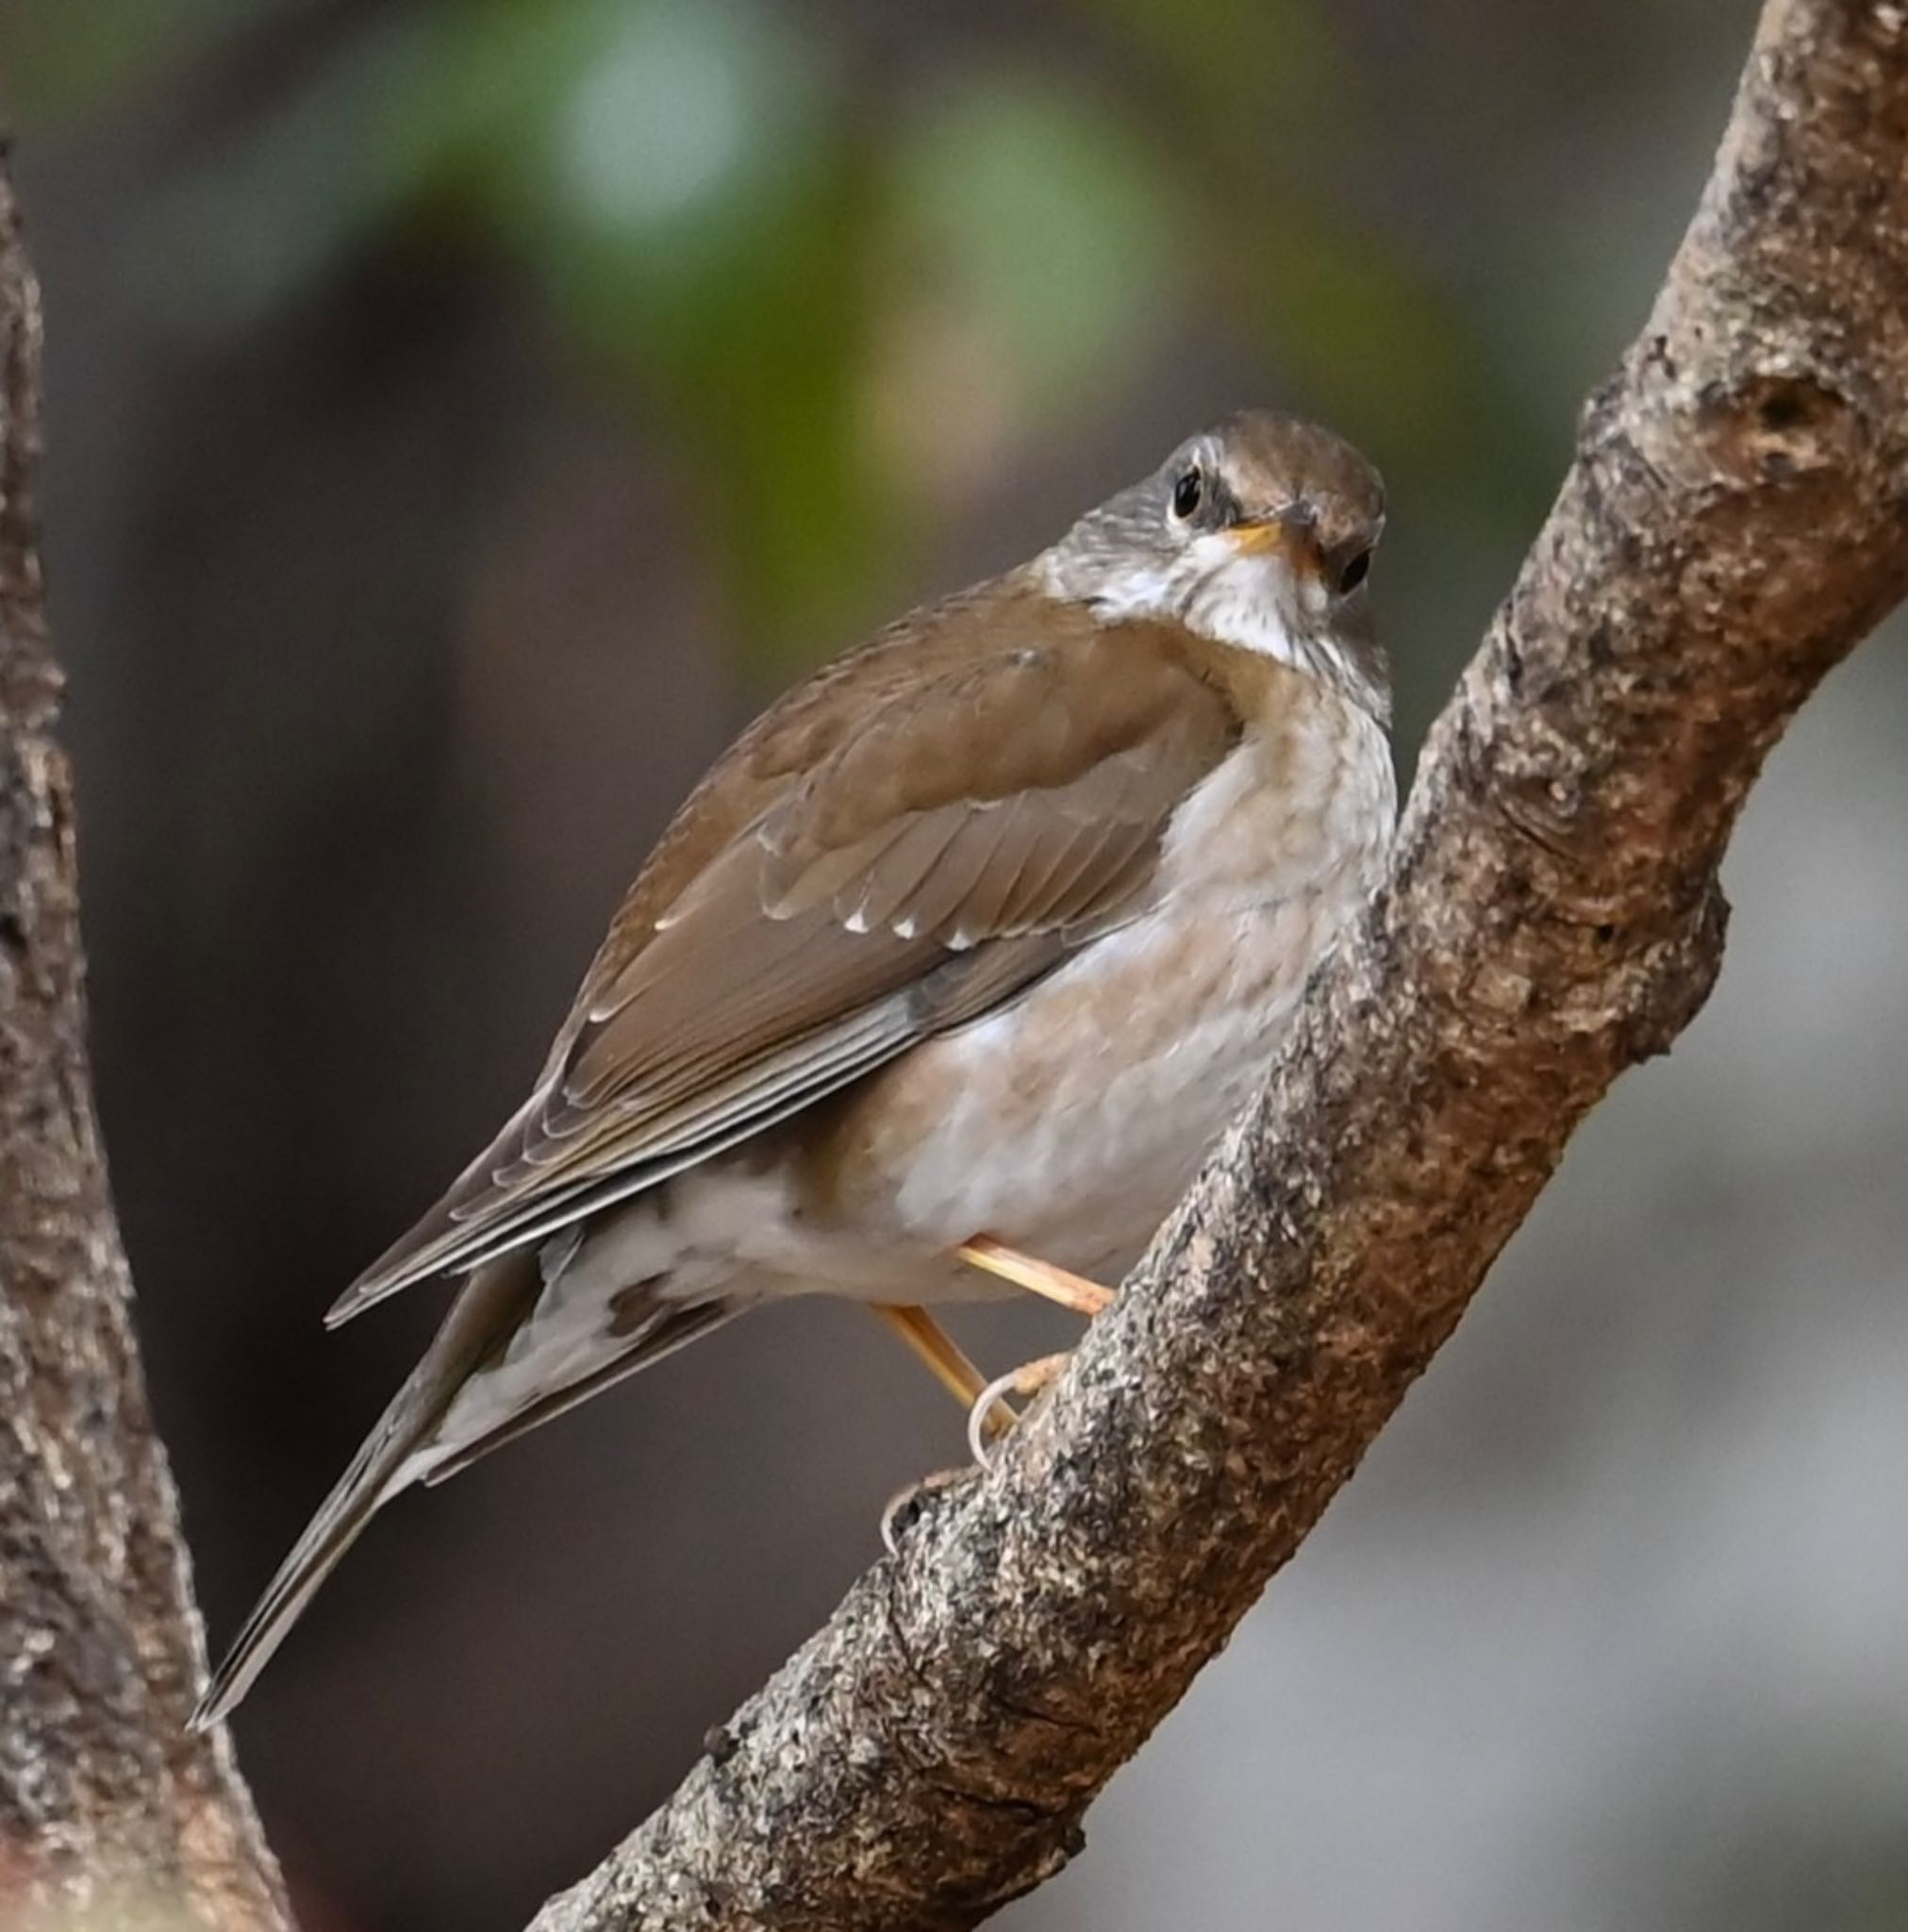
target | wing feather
x=986, y=815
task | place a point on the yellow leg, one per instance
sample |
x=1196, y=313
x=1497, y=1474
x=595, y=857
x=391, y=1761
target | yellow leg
x=1038, y=1277
x=946, y=1362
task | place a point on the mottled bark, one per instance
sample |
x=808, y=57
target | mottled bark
x=1736, y=518
x=107, y=1810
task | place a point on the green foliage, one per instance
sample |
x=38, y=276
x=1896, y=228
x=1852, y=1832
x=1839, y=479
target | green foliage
x=1034, y=212
x=672, y=173
x=849, y=306
x=58, y=58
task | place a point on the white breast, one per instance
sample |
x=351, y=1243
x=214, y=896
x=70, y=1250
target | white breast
x=1082, y=1110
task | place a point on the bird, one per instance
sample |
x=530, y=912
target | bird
x=942, y=980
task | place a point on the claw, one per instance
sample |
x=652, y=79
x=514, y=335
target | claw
x=902, y=1509
x=1029, y=1380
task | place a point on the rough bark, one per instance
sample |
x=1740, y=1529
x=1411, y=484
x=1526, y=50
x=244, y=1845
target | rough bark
x=107, y=1810
x=1735, y=521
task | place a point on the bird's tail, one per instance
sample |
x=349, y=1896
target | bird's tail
x=489, y=1306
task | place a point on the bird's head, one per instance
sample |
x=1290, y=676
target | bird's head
x=1257, y=536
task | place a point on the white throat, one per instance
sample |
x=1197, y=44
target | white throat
x=1244, y=602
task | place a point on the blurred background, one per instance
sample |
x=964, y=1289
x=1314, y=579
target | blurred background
x=462, y=417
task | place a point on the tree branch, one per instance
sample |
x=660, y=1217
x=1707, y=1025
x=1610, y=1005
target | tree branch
x=1735, y=521
x=107, y=1808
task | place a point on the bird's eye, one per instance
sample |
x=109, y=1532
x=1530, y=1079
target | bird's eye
x=1355, y=572
x=1187, y=493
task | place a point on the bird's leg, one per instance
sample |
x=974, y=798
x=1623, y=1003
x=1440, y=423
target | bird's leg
x=1038, y=1277
x=987, y=1414
x=948, y=1364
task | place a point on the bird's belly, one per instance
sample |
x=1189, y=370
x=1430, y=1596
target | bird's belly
x=1067, y=1124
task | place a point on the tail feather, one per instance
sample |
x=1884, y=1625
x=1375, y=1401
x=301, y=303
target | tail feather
x=672, y=1329
x=486, y=1312
x=363, y=1488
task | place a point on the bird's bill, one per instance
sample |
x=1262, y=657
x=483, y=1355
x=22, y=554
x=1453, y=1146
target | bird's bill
x=1276, y=535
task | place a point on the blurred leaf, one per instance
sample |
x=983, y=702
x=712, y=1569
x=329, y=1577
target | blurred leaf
x=62, y=58
x=845, y=339
x=671, y=175
x=643, y=118
x=660, y=177
x=275, y=210
x=1360, y=331
x=1243, y=66
x=759, y=378
x=1263, y=128
x=1026, y=212
x=686, y=197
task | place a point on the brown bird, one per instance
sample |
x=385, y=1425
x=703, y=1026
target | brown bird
x=944, y=978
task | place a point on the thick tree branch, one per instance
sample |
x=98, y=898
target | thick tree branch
x=1736, y=518
x=107, y=1808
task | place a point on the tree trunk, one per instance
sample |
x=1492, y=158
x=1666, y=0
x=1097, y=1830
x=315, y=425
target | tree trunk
x=107, y=1810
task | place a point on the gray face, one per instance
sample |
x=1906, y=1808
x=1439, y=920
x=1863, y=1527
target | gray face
x=1257, y=534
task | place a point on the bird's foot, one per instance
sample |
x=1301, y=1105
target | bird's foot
x=989, y=1415
x=905, y=1507
x=946, y=1360
x=1029, y=1380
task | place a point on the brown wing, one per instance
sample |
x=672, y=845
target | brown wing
x=903, y=843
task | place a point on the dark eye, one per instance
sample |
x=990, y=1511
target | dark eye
x=1187, y=492
x=1354, y=574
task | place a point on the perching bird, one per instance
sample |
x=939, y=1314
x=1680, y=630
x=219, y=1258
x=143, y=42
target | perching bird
x=946, y=975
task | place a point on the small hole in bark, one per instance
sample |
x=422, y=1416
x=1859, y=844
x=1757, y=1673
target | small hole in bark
x=1784, y=408
x=1606, y=933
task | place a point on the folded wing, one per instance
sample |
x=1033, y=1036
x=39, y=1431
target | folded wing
x=882, y=857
